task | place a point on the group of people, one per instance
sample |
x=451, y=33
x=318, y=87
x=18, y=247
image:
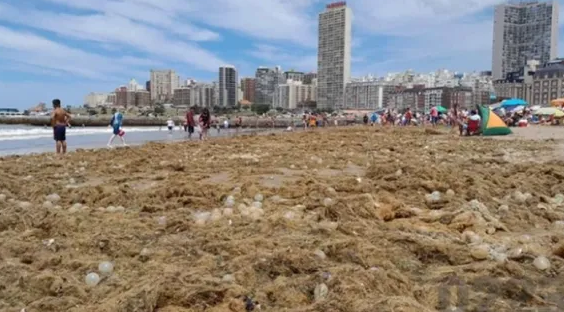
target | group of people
x=60, y=120
x=468, y=123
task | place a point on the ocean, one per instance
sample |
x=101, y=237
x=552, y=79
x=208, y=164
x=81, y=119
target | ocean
x=23, y=139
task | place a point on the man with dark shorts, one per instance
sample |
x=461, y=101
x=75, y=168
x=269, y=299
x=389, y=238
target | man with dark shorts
x=190, y=122
x=59, y=121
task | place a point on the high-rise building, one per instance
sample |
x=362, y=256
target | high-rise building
x=522, y=32
x=227, y=86
x=367, y=94
x=266, y=83
x=163, y=83
x=294, y=94
x=309, y=77
x=93, y=99
x=294, y=75
x=248, y=88
x=333, y=55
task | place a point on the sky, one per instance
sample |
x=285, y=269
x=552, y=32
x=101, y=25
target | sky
x=67, y=48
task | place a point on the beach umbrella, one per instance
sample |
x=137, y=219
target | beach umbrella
x=441, y=109
x=549, y=111
x=514, y=102
x=518, y=109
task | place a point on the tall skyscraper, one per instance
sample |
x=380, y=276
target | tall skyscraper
x=266, y=83
x=523, y=31
x=333, y=55
x=227, y=86
x=163, y=83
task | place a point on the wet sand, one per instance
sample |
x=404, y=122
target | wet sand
x=348, y=223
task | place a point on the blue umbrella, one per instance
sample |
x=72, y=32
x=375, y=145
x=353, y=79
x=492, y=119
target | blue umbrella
x=513, y=102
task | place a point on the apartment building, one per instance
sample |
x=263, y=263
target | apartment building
x=266, y=83
x=94, y=99
x=309, y=77
x=293, y=94
x=227, y=88
x=162, y=85
x=517, y=84
x=182, y=97
x=293, y=75
x=524, y=31
x=367, y=94
x=195, y=94
x=142, y=98
x=248, y=88
x=423, y=99
x=334, y=55
x=548, y=83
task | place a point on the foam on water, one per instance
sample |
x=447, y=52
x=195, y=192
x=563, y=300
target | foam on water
x=9, y=133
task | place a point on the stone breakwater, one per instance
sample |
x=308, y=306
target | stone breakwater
x=93, y=121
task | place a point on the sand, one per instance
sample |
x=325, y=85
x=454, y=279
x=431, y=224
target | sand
x=348, y=223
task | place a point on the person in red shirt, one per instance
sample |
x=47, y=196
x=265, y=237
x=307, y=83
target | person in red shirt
x=190, y=122
x=408, y=117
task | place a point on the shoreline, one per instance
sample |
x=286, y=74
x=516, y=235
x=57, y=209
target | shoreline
x=96, y=142
x=136, y=121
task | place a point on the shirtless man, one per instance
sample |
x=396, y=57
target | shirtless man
x=59, y=121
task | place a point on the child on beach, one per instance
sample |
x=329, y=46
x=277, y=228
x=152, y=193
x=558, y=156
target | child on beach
x=59, y=121
x=116, y=124
x=205, y=120
x=170, y=125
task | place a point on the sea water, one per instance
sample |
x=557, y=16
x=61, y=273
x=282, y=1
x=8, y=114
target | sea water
x=24, y=139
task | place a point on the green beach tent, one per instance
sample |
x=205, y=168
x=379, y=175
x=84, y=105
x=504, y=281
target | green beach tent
x=492, y=123
x=442, y=109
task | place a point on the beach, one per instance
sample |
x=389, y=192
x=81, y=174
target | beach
x=353, y=218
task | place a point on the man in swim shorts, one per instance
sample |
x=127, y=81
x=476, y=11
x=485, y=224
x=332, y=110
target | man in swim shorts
x=59, y=121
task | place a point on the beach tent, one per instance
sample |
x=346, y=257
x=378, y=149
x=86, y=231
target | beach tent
x=492, y=123
x=549, y=111
x=441, y=109
x=513, y=102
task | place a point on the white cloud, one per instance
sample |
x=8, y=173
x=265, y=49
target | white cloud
x=162, y=15
x=116, y=29
x=28, y=48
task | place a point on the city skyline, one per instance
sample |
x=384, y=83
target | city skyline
x=67, y=59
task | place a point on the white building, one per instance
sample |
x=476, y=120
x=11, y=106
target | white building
x=163, y=84
x=334, y=55
x=93, y=99
x=266, y=83
x=134, y=86
x=227, y=93
x=524, y=31
x=292, y=94
x=367, y=94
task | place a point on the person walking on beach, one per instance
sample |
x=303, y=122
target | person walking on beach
x=60, y=119
x=238, y=123
x=190, y=122
x=116, y=123
x=434, y=116
x=205, y=120
x=170, y=125
x=408, y=116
